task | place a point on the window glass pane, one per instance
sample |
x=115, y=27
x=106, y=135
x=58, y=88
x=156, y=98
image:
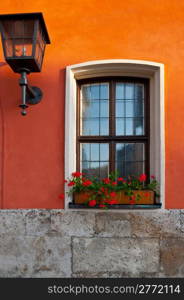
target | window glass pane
x=94, y=169
x=104, y=126
x=138, y=126
x=104, y=152
x=139, y=108
x=139, y=91
x=95, y=149
x=94, y=159
x=120, y=126
x=130, y=159
x=129, y=91
x=120, y=152
x=129, y=126
x=120, y=91
x=85, y=151
x=90, y=126
x=95, y=91
x=104, y=91
x=104, y=108
x=120, y=109
x=90, y=109
x=94, y=109
x=104, y=169
x=129, y=108
x=85, y=92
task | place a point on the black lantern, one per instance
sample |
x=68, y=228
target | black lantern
x=24, y=37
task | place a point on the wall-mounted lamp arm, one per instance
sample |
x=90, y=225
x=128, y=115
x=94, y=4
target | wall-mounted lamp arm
x=30, y=94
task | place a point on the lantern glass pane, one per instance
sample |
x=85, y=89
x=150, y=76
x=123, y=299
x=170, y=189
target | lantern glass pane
x=18, y=36
x=40, y=46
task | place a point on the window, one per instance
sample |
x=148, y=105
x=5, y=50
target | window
x=109, y=153
x=113, y=126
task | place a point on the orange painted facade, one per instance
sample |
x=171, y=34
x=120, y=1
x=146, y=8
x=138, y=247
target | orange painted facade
x=32, y=147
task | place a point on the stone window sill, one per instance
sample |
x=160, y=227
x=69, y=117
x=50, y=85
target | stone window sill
x=119, y=206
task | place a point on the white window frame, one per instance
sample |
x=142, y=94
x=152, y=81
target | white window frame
x=119, y=67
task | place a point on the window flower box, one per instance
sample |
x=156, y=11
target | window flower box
x=137, y=197
x=112, y=190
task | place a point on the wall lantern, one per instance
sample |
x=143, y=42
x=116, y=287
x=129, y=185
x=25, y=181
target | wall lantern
x=24, y=37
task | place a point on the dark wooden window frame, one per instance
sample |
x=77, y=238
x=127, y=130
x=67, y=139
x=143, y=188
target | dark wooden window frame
x=112, y=139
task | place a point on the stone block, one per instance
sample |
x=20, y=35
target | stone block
x=172, y=257
x=113, y=225
x=115, y=255
x=150, y=224
x=38, y=222
x=73, y=223
x=12, y=222
x=42, y=256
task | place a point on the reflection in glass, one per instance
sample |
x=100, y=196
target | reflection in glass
x=104, y=108
x=95, y=155
x=139, y=126
x=129, y=91
x=129, y=110
x=120, y=126
x=139, y=91
x=104, y=126
x=129, y=126
x=94, y=159
x=90, y=126
x=95, y=92
x=130, y=159
x=104, y=169
x=94, y=107
x=104, y=91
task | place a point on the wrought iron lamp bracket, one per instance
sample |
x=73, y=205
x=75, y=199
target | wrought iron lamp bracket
x=30, y=94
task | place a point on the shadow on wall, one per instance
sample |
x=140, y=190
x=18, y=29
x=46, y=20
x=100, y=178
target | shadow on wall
x=2, y=63
x=1, y=147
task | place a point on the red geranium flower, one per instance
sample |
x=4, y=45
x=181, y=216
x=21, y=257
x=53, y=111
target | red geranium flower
x=132, y=201
x=142, y=177
x=153, y=176
x=106, y=180
x=113, y=194
x=87, y=183
x=61, y=196
x=65, y=181
x=114, y=183
x=76, y=174
x=112, y=201
x=71, y=183
x=92, y=203
x=120, y=179
x=102, y=205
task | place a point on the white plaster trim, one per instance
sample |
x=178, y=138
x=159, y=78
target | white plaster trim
x=119, y=67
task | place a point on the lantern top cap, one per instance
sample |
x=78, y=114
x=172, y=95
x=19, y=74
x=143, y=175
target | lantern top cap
x=27, y=16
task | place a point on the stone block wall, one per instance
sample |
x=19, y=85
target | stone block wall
x=55, y=243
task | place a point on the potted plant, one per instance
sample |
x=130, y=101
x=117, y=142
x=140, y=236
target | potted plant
x=112, y=190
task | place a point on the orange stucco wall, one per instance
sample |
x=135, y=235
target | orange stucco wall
x=32, y=147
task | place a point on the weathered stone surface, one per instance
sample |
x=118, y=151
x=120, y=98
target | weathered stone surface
x=172, y=257
x=73, y=223
x=139, y=224
x=12, y=222
x=113, y=225
x=38, y=243
x=122, y=255
x=42, y=256
x=38, y=222
x=182, y=220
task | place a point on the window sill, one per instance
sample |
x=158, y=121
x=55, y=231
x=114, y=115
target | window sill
x=118, y=206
